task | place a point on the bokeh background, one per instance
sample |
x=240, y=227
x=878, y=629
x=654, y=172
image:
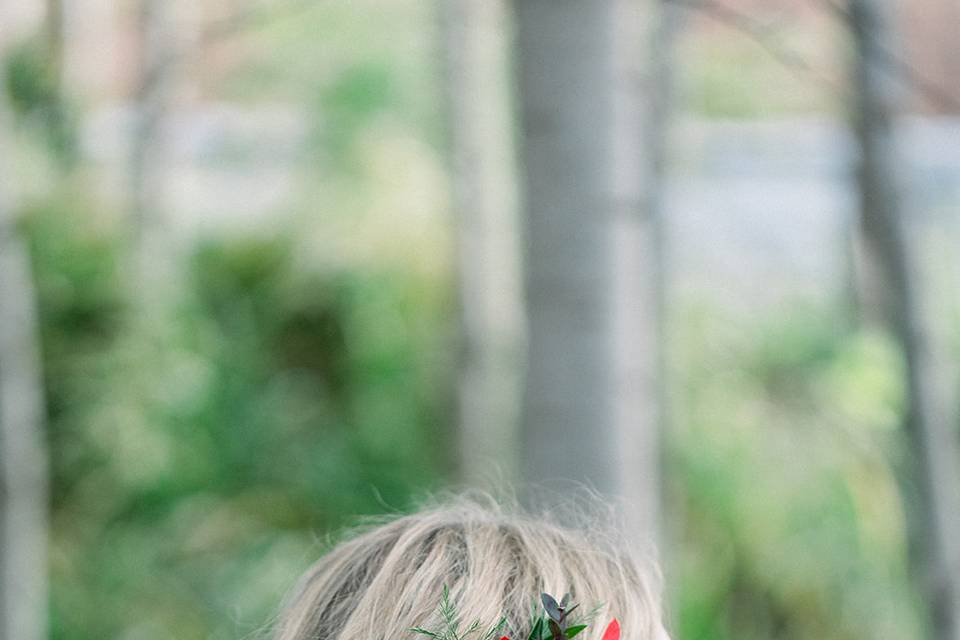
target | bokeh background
x=276, y=252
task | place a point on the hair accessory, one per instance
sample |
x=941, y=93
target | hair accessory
x=557, y=624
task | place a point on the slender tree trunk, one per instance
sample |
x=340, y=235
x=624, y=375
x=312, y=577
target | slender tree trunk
x=637, y=275
x=484, y=198
x=53, y=27
x=668, y=24
x=59, y=124
x=590, y=408
x=931, y=465
x=151, y=267
x=668, y=21
x=935, y=52
x=23, y=456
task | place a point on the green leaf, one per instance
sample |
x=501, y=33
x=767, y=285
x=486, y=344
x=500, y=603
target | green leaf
x=536, y=632
x=574, y=630
x=546, y=634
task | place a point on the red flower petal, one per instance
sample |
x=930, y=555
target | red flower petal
x=504, y=638
x=613, y=630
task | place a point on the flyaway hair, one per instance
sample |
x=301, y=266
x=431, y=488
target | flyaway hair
x=389, y=577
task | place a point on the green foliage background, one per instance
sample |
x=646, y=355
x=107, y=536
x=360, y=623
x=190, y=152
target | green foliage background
x=301, y=377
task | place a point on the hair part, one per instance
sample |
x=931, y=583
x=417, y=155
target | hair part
x=388, y=577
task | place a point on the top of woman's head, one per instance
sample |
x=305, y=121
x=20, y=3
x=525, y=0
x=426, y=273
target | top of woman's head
x=387, y=577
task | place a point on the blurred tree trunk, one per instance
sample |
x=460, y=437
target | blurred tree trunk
x=661, y=106
x=23, y=456
x=930, y=474
x=60, y=127
x=53, y=28
x=590, y=407
x=151, y=263
x=484, y=198
x=668, y=23
x=935, y=50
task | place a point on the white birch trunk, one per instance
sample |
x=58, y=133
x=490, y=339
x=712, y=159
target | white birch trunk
x=484, y=200
x=23, y=456
x=930, y=471
x=590, y=407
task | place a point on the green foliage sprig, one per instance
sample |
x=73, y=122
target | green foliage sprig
x=557, y=624
x=451, y=623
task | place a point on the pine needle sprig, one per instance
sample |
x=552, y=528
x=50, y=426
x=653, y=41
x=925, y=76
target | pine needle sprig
x=451, y=623
x=494, y=629
x=448, y=612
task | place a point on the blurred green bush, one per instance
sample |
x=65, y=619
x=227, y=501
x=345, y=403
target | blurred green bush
x=789, y=521
x=32, y=84
x=193, y=465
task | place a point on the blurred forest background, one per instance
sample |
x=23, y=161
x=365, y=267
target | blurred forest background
x=266, y=265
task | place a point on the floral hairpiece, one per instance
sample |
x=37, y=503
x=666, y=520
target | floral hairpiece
x=557, y=624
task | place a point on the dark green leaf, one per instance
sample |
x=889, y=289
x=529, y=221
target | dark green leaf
x=537, y=630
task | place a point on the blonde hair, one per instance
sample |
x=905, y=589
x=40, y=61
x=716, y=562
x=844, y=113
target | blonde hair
x=385, y=579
